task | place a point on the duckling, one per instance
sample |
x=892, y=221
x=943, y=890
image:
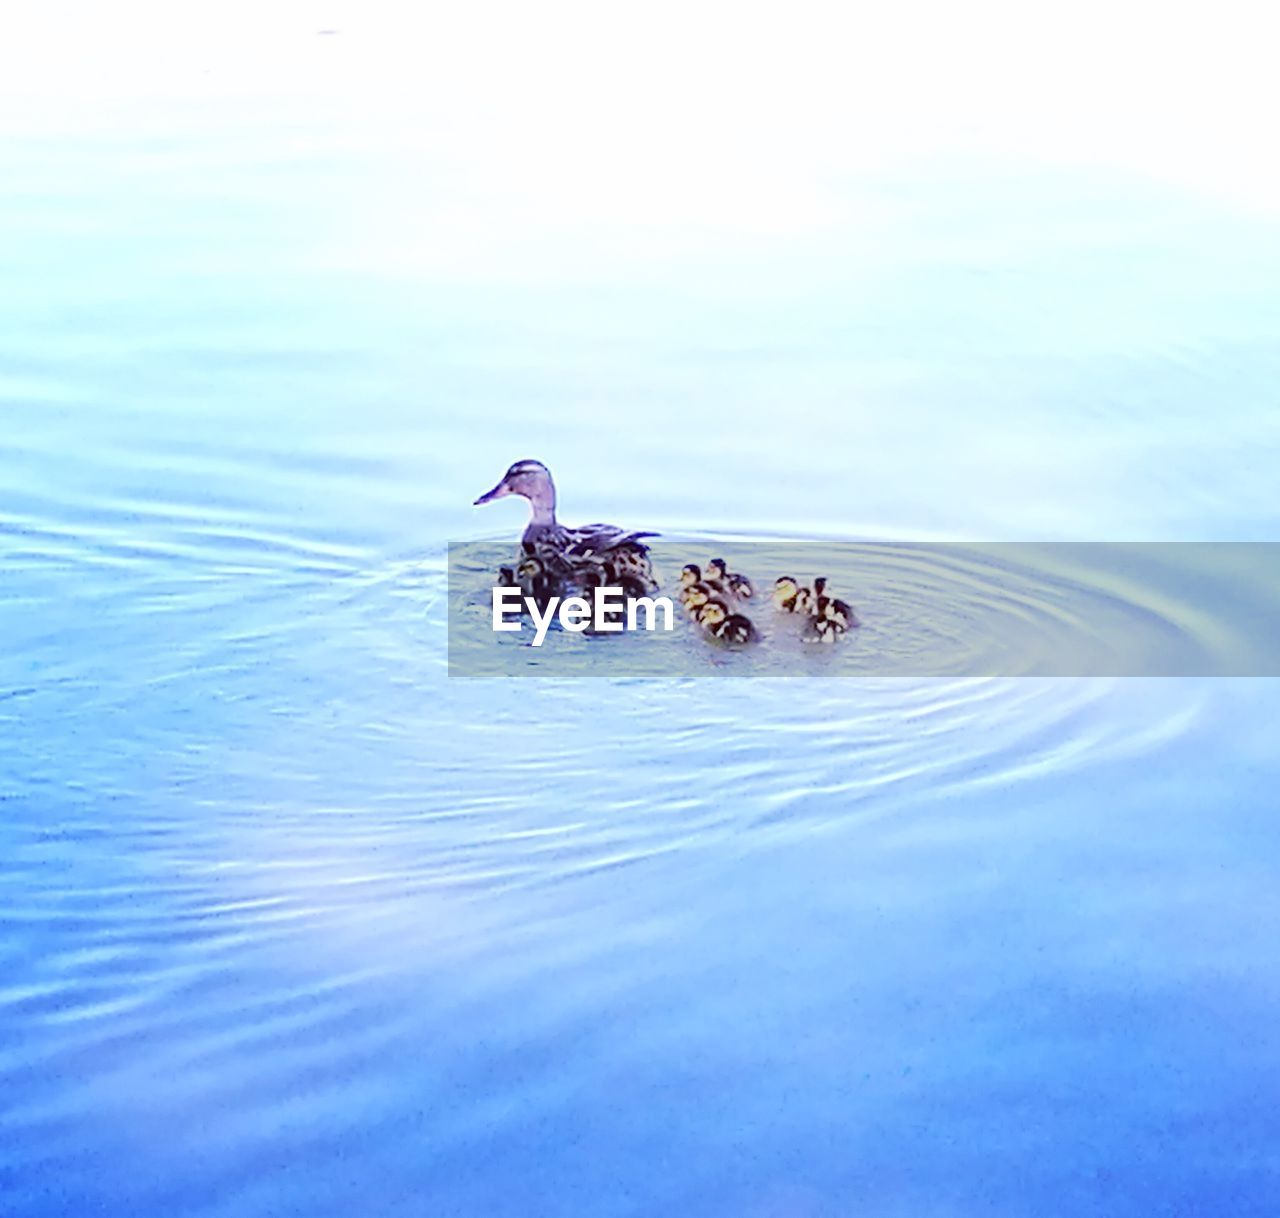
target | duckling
x=535, y=582
x=736, y=629
x=632, y=586
x=507, y=578
x=694, y=590
x=611, y=574
x=831, y=618
x=694, y=574
x=695, y=596
x=711, y=613
x=823, y=630
x=840, y=612
x=725, y=626
x=791, y=597
x=738, y=585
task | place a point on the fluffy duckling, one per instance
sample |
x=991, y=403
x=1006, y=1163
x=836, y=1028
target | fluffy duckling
x=612, y=574
x=823, y=630
x=534, y=580
x=831, y=618
x=632, y=586
x=736, y=629
x=725, y=626
x=694, y=590
x=791, y=597
x=693, y=574
x=840, y=612
x=737, y=584
x=695, y=596
x=711, y=613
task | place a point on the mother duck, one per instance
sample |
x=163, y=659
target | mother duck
x=588, y=556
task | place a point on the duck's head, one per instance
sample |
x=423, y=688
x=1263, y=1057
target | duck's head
x=695, y=596
x=819, y=585
x=784, y=588
x=530, y=479
x=690, y=574
x=529, y=567
x=712, y=614
x=716, y=569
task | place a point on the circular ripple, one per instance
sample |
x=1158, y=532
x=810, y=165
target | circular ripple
x=927, y=610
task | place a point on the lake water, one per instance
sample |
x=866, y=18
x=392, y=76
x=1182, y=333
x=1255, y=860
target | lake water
x=296, y=923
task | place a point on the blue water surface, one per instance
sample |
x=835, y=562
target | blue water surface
x=293, y=923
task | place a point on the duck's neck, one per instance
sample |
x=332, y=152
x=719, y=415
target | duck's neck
x=543, y=503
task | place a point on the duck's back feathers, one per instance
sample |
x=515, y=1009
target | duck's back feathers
x=591, y=556
x=596, y=538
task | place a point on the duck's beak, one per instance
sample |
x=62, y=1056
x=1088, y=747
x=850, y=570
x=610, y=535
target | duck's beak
x=497, y=493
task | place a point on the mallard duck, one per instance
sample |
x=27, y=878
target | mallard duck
x=568, y=554
x=737, y=584
x=791, y=597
